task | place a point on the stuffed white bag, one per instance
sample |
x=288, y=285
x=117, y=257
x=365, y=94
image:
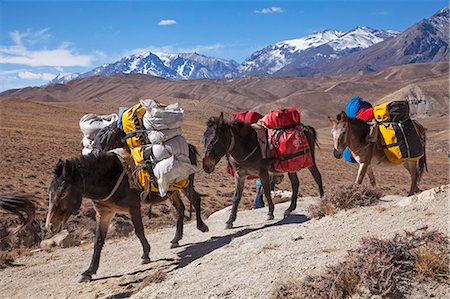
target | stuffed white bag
x=172, y=170
x=176, y=146
x=91, y=123
x=162, y=118
x=163, y=135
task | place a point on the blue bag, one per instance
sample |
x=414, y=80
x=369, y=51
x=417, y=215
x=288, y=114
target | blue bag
x=354, y=105
x=348, y=156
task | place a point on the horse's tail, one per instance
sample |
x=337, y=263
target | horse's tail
x=193, y=153
x=21, y=206
x=192, y=194
x=314, y=139
x=423, y=160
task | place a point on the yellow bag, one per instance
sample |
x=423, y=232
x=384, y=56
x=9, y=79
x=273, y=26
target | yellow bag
x=132, y=123
x=399, y=137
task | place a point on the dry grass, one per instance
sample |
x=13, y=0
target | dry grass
x=386, y=268
x=344, y=197
x=6, y=259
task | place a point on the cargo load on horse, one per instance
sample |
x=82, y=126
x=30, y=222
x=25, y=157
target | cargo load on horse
x=287, y=141
x=398, y=134
x=159, y=151
x=152, y=132
x=90, y=125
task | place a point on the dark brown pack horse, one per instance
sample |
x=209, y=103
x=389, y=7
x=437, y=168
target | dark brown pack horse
x=354, y=132
x=95, y=177
x=239, y=141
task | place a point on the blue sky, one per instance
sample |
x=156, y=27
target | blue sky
x=41, y=39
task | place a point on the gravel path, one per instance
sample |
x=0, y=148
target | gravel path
x=245, y=262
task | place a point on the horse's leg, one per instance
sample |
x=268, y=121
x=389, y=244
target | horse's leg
x=317, y=177
x=178, y=204
x=103, y=220
x=361, y=172
x=238, y=188
x=195, y=200
x=371, y=176
x=136, y=218
x=411, y=166
x=295, y=184
x=265, y=182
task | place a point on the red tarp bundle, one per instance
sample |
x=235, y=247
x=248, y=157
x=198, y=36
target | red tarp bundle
x=290, y=148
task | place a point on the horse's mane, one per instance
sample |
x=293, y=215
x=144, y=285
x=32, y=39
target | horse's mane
x=87, y=162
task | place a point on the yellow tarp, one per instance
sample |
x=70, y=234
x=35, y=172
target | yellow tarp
x=130, y=119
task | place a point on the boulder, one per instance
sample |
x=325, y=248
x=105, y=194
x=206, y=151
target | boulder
x=61, y=239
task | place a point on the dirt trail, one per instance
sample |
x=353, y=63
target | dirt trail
x=245, y=262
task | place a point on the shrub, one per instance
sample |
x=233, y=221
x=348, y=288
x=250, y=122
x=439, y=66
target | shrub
x=387, y=268
x=344, y=197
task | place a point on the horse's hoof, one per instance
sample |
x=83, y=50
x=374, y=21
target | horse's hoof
x=85, y=278
x=228, y=225
x=270, y=217
x=145, y=260
x=203, y=228
x=287, y=213
x=174, y=245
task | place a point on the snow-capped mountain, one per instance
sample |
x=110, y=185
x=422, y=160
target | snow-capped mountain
x=62, y=78
x=183, y=66
x=425, y=41
x=319, y=47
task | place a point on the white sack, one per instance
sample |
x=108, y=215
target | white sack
x=176, y=146
x=87, y=142
x=91, y=123
x=163, y=135
x=172, y=170
x=156, y=118
x=86, y=151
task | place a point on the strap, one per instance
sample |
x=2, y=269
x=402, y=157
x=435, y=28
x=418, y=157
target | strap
x=116, y=186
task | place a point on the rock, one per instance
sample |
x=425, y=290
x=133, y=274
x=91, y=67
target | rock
x=61, y=239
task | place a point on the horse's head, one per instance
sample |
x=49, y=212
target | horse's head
x=64, y=195
x=339, y=133
x=215, y=142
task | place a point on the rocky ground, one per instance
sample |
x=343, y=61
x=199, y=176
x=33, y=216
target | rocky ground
x=249, y=261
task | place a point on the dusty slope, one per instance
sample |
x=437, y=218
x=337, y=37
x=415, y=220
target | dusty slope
x=246, y=262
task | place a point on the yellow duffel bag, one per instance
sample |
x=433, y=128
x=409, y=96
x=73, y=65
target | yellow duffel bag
x=399, y=136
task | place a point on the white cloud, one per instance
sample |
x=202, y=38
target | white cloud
x=19, y=53
x=34, y=76
x=270, y=10
x=167, y=22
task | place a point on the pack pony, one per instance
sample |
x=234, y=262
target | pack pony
x=353, y=132
x=100, y=178
x=239, y=141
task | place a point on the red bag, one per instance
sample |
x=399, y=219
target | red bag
x=247, y=116
x=290, y=149
x=250, y=117
x=282, y=118
x=365, y=114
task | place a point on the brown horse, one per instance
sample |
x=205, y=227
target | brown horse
x=100, y=178
x=239, y=141
x=354, y=132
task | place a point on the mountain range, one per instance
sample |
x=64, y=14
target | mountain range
x=327, y=52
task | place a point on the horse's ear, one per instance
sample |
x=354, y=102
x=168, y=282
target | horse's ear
x=344, y=116
x=68, y=169
x=332, y=120
x=221, y=120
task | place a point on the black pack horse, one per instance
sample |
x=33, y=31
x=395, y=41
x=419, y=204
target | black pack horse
x=239, y=141
x=101, y=178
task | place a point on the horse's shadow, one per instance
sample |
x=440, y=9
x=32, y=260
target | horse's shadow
x=198, y=250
